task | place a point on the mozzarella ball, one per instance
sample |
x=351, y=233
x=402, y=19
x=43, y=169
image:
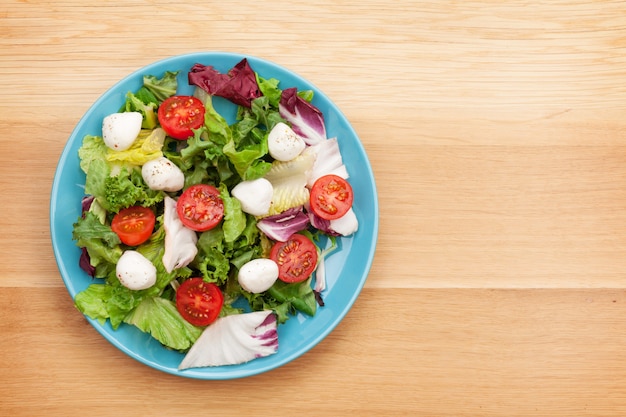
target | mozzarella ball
x=283, y=143
x=255, y=196
x=119, y=130
x=135, y=271
x=258, y=275
x=163, y=174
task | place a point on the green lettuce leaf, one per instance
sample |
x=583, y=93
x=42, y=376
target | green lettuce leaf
x=92, y=302
x=234, y=218
x=247, y=161
x=161, y=88
x=217, y=256
x=269, y=88
x=115, y=192
x=146, y=147
x=300, y=295
x=160, y=318
x=114, y=301
x=145, y=103
x=217, y=127
x=92, y=149
x=284, y=299
x=107, y=301
x=102, y=244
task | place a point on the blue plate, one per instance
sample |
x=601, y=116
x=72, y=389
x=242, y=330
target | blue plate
x=347, y=268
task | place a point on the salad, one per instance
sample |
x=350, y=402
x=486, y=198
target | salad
x=204, y=234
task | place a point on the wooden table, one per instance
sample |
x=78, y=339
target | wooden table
x=497, y=134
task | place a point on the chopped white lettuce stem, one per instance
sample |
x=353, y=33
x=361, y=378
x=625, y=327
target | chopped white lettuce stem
x=320, y=275
x=163, y=174
x=320, y=270
x=289, y=181
x=283, y=143
x=328, y=160
x=233, y=340
x=255, y=196
x=180, y=242
x=119, y=130
x=258, y=275
x=154, y=141
x=135, y=271
x=346, y=224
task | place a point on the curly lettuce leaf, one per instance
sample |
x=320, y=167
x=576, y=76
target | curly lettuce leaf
x=161, y=88
x=115, y=192
x=145, y=103
x=247, y=161
x=269, y=88
x=146, y=100
x=217, y=255
x=92, y=149
x=261, y=114
x=111, y=300
x=202, y=160
x=101, y=243
x=282, y=298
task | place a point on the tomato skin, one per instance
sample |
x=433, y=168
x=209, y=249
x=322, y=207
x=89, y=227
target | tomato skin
x=200, y=207
x=331, y=197
x=134, y=225
x=179, y=114
x=199, y=302
x=296, y=258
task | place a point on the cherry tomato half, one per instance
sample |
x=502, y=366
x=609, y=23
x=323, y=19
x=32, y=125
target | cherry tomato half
x=199, y=302
x=179, y=114
x=296, y=258
x=133, y=225
x=200, y=207
x=331, y=197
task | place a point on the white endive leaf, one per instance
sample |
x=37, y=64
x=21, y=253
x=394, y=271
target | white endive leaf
x=180, y=242
x=233, y=340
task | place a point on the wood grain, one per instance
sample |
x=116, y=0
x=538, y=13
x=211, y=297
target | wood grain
x=445, y=352
x=497, y=134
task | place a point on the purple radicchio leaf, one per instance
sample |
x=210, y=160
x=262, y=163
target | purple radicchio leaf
x=281, y=226
x=320, y=224
x=305, y=119
x=86, y=203
x=237, y=85
x=318, y=298
x=269, y=333
x=85, y=262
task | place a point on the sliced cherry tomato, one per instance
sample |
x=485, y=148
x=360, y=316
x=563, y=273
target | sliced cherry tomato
x=200, y=207
x=296, y=258
x=199, y=302
x=179, y=114
x=133, y=225
x=331, y=197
